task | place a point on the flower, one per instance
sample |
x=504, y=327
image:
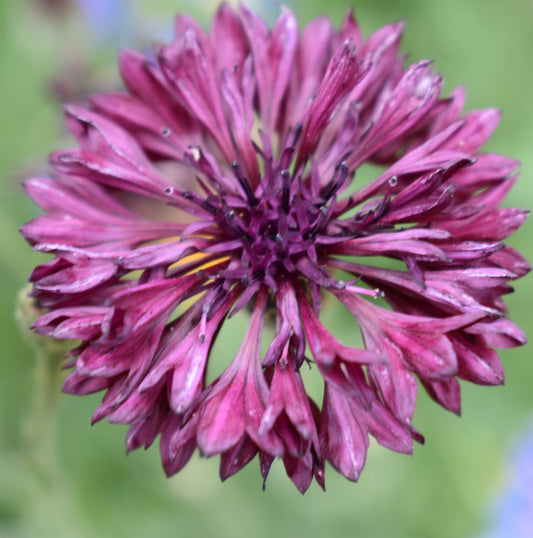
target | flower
x=509, y=513
x=224, y=178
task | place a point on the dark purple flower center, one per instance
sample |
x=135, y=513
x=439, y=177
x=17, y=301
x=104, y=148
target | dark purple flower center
x=278, y=226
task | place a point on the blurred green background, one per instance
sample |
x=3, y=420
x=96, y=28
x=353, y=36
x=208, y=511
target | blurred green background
x=88, y=487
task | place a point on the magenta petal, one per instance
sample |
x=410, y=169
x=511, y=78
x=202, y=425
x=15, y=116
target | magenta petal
x=191, y=73
x=342, y=74
x=240, y=111
x=136, y=408
x=312, y=58
x=100, y=136
x=300, y=471
x=178, y=443
x=144, y=432
x=289, y=411
x=397, y=385
x=509, y=259
x=488, y=168
x=147, y=83
x=400, y=243
x=222, y=419
x=387, y=431
x=478, y=127
x=121, y=175
x=238, y=399
x=78, y=197
x=273, y=55
x=324, y=347
x=502, y=333
x=76, y=323
x=287, y=386
x=183, y=357
x=228, y=38
x=417, y=341
x=78, y=278
x=381, y=50
x=495, y=225
x=476, y=362
x=81, y=384
x=446, y=392
x=255, y=401
x=129, y=110
x=407, y=104
x=236, y=458
x=347, y=442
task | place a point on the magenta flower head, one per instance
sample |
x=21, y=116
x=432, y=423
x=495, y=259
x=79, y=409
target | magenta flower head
x=224, y=178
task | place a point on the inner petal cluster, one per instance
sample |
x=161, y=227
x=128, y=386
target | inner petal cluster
x=277, y=228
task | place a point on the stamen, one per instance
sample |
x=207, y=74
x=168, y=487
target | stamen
x=241, y=178
x=285, y=191
x=331, y=188
x=376, y=293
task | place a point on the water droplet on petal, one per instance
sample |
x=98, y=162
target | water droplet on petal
x=423, y=86
x=196, y=153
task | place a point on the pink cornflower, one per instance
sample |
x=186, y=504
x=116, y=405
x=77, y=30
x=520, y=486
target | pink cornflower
x=225, y=177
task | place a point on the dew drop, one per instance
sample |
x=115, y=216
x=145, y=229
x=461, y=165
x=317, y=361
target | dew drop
x=196, y=153
x=423, y=86
x=169, y=189
x=393, y=181
x=165, y=131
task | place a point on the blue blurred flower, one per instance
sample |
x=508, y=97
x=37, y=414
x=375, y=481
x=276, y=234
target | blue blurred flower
x=512, y=514
x=109, y=20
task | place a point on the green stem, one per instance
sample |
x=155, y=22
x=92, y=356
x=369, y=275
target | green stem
x=39, y=426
